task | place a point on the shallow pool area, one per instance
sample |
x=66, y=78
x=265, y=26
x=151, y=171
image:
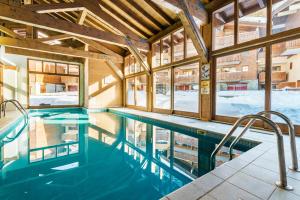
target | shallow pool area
x=77, y=154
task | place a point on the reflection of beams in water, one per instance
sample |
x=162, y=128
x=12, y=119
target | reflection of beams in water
x=181, y=174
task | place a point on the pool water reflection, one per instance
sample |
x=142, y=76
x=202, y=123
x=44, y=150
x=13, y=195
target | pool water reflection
x=69, y=154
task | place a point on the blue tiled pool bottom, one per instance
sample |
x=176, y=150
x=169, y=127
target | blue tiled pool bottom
x=73, y=154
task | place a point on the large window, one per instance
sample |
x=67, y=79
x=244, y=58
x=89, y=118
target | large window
x=223, y=27
x=240, y=84
x=53, y=84
x=172, y=48
x=286, y=79
x=162, y=89
x=136, y=88
x=186, y=88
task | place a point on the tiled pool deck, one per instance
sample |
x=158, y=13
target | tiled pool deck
x=250, y=176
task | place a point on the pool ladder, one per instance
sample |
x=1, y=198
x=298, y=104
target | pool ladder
x=22, y=110
x=282, y=183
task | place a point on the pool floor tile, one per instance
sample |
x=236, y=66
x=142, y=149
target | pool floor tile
x=187, y=192
x=207, y=182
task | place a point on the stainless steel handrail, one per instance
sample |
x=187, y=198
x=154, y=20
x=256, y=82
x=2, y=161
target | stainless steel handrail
x=16, y=104
x=282, y=183
x=291, y=128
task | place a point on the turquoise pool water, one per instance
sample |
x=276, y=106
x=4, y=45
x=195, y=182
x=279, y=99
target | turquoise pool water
x=72, y=154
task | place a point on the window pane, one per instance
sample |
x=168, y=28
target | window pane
x=137, y=67
x=223, y=27
x=53, y=90
x=285, y=15
x=131, y=65
x=186, y=86
x=126, y=64
x=190, y=48
x=286, y=79
x=130, y=91
x=156, y=54
x=61, y=68
x=239, y=91
x=141, y=90
x=166, y=50
x=162, y=89
x=73, y=69
x=49, y=67
x=178, y=42
x=252, y=25
x=35, y=66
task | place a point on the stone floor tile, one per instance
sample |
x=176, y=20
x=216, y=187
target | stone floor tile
x=227, y=191
x=252, y=185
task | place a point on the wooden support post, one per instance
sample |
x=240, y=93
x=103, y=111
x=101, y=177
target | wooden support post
x=193, y=31
x=82, y=17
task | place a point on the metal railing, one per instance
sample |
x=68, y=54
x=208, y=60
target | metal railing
x=16, y=104
x=291, y=130
x=282, y=183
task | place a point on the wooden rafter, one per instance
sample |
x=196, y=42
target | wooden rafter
x=55, y=37
x=196, y=9
x=54, y=8
x=95, y=10
x=30, y=44
x=130, y=25
x=9, y=32
x=23, y=16
x=38, y=54
x=159, y=11
x=193, y=31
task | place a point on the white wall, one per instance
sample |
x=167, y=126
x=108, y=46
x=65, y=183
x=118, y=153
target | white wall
x=20, y=92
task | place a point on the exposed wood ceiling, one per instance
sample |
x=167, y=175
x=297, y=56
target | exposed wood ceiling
x=112, y=27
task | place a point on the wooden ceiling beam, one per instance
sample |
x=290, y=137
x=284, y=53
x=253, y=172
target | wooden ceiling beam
x=95, y=10
x=196, y=8
x=55, y=37
x=23, y=16
x=91, y=43
x=128, y=23
x=166, y=17
x=38, y=54
x=53, y=8
x=9, y=32
x=193, y=31
x=30, y=44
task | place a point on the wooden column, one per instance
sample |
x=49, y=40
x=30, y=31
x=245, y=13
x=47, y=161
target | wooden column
x=86, y=80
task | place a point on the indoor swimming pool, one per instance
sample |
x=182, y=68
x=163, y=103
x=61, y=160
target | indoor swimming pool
x=77, y=154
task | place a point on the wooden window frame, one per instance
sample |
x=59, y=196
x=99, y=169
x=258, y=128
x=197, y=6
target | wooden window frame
x=53, y=74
